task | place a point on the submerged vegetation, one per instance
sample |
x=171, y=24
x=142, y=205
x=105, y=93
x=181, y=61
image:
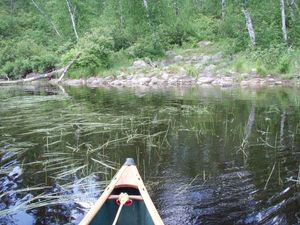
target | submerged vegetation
x=39, y=35
x=232, y=140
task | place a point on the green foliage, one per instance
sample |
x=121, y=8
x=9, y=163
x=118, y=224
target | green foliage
x=95, y=49
x=272, y=58
x=25, y=56
x=128, y=29
x=145, y=47
x=261, y=70
x=203, y=27
x=192, y=71
x=284, y=64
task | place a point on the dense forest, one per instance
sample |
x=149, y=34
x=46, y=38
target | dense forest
x=41, y=35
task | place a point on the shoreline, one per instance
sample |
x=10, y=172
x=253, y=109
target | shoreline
x=177, y=81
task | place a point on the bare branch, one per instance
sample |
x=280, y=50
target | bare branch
x=72, y=15
x=47, y=17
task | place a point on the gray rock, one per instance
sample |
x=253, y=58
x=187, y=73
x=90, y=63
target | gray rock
x=172, y=80
x=140, y=64
x=205, y=80
x=178, y=58
x=144, y=80
x=202, y=44
x=121, y=77
x=253, y=72
x=154, y=81
x=119, y=83
x=186, y=80
x=165, y=76
x=170, y=54
x=32, y=75
x=74, y=82
x=210, y=67
x=95, y=82
x=205, y=59
x=217, y=57
x=108, y=78
x=255, y=82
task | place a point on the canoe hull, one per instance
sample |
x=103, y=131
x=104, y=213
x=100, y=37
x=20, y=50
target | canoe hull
x=142, y=210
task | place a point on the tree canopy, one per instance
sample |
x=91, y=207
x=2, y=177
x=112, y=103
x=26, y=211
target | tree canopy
x=40, y=35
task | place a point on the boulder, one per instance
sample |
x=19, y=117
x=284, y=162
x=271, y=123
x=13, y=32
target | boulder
x=202, y=44
x=74, y=82
x=140, y=64
x=178, y=58
x=210, y=67
x=144, y=80
x=154, y=81
x=165, y=76
x=205, y=80
x=217, y=57
x=95, y=82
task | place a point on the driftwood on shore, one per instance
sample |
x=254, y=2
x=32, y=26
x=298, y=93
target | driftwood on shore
x=49, y=75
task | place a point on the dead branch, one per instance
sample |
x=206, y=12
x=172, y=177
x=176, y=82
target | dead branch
x=49, y=75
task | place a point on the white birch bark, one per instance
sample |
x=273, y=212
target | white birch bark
x=149, y=20
x=223, y=9
x=283, y=21
x=72, y=15
x=249, y=25
x=282, y=122
x=121, y=14
x=248, y=131
x=46, y=17
x=176, y=7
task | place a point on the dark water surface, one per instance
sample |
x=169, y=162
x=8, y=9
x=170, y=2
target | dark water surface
x=207, y=156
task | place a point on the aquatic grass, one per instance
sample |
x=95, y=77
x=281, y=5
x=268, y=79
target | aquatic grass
x=65, y=196
x=269, y=177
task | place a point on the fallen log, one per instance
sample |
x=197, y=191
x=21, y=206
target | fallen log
x=49, y=75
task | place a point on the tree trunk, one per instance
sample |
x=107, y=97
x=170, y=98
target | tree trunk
x=176, y=7
x=250, y=123
x=68, y=66
x=72, y=15
x=223, y=9
x=46, y=17
x=39, y=77
x=282, y=123
x=12, y=7
x=283, y=21
x=149, y=21
x=247, y=132
x=249, y=25
x=49, y=75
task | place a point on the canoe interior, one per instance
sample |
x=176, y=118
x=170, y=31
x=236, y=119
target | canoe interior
x=136, y=214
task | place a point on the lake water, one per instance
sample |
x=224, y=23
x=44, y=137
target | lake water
x=207, y=155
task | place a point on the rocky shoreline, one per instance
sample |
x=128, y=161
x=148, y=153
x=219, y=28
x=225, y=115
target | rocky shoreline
x=205, y=65
x=171, y=80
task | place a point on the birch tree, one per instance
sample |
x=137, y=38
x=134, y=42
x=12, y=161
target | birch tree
x=248, y=130
x=249, y=25
x=282, y=127
x=44, y=14
x=146, y=6
x=283, y=21
x=175, y=3
x=72, y=12
x=223, y=9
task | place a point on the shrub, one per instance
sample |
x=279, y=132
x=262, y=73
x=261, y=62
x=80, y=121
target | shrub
x=146, y=47
x=96, y=48
x=261, y=70
x=43, y=63
x=284, y=64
